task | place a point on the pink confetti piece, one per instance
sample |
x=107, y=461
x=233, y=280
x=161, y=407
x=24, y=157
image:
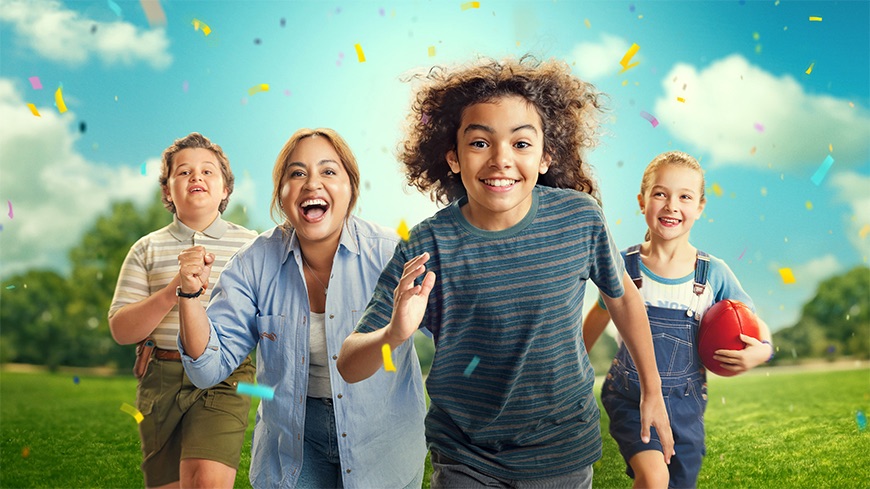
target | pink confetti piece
x=185, y=85
x=652, y=120
x=759, y=127
x=154, y=12
x=35, y=83
x=741, y=254
x=9, y=203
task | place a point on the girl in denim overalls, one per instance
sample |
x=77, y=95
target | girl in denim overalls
x=678, y=283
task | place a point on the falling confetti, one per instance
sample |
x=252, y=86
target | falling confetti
x=471, y=366
x=132, y=412
x=33, y=110
x=185, y=85
x=717, y=190
x=143, y=168
x=114, y=7
x=759, y=127
x=403, y=230
x=76, y=379
x=681, y=99
x=816, y=19
x=587, y=23
x=468, y=5
x=9, y=203
x=263, y=87
x=742, y=253
x=388, y=358
x=627, y=58
x=154, y=12
x=830, y=148
x=861, y=419
x=58, y=99
x=810, y=69
x=25, y=452
x=809, y=205
x=864, y=231
x=787, y=276
x=261, y=391
x=206, y=30
x=652, y=120
x=820, y=173
x=431, y=51
x=359, y=53
x=35, y=83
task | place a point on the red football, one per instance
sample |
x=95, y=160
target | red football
x=720, y=329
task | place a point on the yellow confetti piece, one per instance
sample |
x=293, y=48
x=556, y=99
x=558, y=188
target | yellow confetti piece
x=830, y=148
x=815, y=19
x=403, y=230
x=431, y=51
x=388, y=358
x=205, y=28
x=787, y=276
x=468, y=5
x=587, y=23
x=618, y=222
x=809, y=205
x=132, y=412
x=33, y=110
x=764, y=191
x=359, y=53
x=864, y=231
x=810, y=69
x=624, y=62
x=756, y=36
x=717, y=190
x=25, y=452
x=263, y=87
x=752, y=151
x=58, y=99
x=681, y=99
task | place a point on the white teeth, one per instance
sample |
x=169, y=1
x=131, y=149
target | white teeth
x=311, y=202
x=499, y=182
x=670, y=220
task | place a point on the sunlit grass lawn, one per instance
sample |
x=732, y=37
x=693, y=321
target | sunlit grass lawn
x=766, y=430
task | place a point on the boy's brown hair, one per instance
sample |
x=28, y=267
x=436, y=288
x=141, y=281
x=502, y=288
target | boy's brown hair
x=569, y=109
x=195, y=140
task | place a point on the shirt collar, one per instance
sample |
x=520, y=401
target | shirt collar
x=347, y=240
x=182, y=232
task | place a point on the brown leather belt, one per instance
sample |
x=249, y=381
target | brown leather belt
x=173, y=355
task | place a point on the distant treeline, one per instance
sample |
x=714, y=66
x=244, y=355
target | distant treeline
x=55, y=320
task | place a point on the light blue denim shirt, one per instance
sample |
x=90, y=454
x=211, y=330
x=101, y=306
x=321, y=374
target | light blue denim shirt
x=260, y=300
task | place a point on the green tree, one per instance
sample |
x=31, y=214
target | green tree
x=835, y=322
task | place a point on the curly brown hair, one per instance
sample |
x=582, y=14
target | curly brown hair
x=569, y=109
x=195, y=140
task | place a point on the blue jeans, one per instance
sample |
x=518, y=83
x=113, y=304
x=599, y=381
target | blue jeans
x=321, y=465
x=449, y=474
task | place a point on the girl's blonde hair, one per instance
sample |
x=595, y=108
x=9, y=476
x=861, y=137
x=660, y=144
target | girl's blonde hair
x=348, y=160
x=674, y=158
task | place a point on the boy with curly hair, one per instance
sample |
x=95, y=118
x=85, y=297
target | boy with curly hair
x=498, y=276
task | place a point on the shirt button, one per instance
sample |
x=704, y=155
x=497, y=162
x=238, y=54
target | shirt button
x=335, y=357
x=348, y=471
x=339, y=396
x=331, y=316
x=344, y=435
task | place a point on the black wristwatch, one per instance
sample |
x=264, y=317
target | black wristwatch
x=194, y=295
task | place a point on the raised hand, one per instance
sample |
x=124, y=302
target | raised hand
x=409, y=300
x=194, y=268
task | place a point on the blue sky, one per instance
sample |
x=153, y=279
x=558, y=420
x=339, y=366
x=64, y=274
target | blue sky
x=759, y=123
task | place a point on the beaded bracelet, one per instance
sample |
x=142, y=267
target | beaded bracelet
x=772, y=350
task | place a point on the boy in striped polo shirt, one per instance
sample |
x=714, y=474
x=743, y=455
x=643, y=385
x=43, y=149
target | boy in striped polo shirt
x=189, y=435
x=498, y=277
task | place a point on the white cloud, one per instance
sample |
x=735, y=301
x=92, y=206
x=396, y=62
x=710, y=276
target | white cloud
x=55, y=192
x=593, y=61
x=853, y=189
x=818, y=269
x=725, y=101
x=65, y=36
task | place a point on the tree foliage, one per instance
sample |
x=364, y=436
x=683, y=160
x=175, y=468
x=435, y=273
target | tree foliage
x=52, y=320
x=834, y=323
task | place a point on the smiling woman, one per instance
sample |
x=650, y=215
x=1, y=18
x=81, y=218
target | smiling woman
x=273, y=296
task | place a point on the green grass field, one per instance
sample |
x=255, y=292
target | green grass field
x=768, y=429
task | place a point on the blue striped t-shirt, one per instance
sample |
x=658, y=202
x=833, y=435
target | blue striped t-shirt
x=514, y=300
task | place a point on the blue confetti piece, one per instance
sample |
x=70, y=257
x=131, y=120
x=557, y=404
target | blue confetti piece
x=115, y=7
x=861, y=419
x=819, y=175
x=471, y=366
x=143, y=168
x=75, y=379
x=262, y=391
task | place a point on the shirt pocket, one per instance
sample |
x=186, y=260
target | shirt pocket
x=272, y=351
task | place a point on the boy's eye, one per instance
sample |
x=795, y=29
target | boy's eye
x=478, y=144
x=522, y=144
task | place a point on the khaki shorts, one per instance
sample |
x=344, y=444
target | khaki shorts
x=182, y=421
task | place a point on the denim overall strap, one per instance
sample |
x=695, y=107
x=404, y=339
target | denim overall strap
x=702, y=266
x=632, y=265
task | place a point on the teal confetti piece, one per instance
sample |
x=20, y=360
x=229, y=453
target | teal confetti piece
x=819, y=175
x=252, y=390
x=861, y=419
x=471, y=366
